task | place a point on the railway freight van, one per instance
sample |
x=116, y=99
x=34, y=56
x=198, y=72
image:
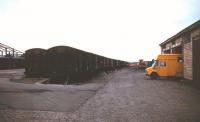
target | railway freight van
x=166, y=65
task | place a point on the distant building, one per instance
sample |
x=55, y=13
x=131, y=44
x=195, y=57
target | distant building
x=186, y=42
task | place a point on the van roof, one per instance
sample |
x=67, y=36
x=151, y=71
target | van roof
x=169, y=56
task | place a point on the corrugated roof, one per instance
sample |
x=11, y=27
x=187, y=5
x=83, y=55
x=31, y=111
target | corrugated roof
x=189, y=28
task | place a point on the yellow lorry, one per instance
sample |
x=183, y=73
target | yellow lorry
x=166, y=65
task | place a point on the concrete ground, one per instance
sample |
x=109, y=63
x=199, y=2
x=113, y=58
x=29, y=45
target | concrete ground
x=125, y=95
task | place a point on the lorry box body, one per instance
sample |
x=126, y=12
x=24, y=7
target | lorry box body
x=166, y=65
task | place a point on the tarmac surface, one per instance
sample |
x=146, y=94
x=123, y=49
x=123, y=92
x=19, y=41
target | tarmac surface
x=125, y=95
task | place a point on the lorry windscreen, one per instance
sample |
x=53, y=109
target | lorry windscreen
x=155, y=63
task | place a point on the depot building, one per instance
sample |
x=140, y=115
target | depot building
x=186, y=42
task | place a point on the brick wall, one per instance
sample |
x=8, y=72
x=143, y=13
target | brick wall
x=187, y=52
x=195, y=33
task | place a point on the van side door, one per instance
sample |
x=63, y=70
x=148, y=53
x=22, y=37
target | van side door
x=162, y=68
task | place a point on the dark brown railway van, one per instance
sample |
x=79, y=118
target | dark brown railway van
x=35, y=63
x=66, y=64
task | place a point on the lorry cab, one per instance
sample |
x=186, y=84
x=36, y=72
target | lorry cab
x=166, y=65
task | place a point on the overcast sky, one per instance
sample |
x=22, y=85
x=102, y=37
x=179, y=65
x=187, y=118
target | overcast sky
x=122, y=29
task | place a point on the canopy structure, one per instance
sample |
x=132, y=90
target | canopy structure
x=6, y=51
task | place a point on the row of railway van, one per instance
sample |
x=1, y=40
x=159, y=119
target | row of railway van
x=66, y=64
x=11, y=63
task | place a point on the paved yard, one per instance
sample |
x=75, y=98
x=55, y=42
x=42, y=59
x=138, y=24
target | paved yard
x=122, y=96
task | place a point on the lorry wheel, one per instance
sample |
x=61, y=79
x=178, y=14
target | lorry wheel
x=153, y=76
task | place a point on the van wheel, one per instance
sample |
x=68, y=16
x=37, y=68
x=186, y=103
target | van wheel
x=153, y=76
